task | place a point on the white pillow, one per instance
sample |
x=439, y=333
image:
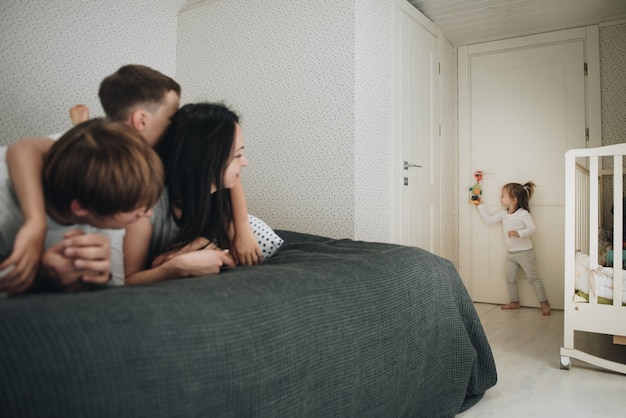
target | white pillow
x=268, y=241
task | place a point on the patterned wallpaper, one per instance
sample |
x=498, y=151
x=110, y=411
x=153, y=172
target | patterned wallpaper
x=373, y=121
x=613, y=83
x=613, y=87
x=55, y=53
x=288, y=68
x=313, y=82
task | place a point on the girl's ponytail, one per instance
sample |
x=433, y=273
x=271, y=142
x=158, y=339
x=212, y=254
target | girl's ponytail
x=525, y=194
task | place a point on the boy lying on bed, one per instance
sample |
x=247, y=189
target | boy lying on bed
x=97, y=178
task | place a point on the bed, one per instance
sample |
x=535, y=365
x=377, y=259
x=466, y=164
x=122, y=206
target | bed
x=325, y=327
x=595, y=282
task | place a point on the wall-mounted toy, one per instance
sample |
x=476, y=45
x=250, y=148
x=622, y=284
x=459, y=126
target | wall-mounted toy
x=476, y=190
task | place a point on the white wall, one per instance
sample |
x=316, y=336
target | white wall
x=449, y=154
x=55, y=53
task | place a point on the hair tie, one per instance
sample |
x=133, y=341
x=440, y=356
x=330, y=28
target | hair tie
x=527, y=189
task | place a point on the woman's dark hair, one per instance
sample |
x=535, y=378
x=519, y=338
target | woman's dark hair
x=195, y=150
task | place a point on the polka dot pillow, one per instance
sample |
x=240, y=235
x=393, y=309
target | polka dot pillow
x=269, y=242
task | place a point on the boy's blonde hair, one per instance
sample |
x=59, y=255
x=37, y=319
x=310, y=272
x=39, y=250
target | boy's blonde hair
x=106, y=166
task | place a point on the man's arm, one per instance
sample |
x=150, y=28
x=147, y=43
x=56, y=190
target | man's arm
x=25, y=162
x=246, y=249
x=78, y=258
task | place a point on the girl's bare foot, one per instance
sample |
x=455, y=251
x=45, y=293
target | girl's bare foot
x=545, y=308
x=510, y=305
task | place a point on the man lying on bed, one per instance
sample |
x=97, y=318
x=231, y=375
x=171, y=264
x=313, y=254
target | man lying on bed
x=97, y=178
x=140, y=97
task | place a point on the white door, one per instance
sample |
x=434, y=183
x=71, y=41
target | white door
x=416, y=130
x=527, y=106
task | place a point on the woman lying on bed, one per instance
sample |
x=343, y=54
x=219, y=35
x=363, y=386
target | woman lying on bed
x=202, y=153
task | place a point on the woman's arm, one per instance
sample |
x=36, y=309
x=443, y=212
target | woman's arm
x=246, y=249
x=187, y=264
x=192, y=264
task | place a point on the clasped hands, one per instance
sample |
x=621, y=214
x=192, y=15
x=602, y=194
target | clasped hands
x=78, y=261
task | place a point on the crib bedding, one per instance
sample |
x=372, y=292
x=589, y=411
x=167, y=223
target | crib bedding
x=598, y=281
x=325, y=327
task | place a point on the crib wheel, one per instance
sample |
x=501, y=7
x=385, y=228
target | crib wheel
x=565, y=363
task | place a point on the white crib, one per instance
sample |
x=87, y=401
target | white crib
x=582, y=216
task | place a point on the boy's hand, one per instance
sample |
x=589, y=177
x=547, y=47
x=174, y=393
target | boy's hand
x=513, y=234
x=79, y=259
x=245, y=248
x=27, y=249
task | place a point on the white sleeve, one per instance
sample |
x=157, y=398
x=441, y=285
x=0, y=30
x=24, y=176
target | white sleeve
x=116, y=236
x=487, y=218
x=56, y=136
x=529, y=226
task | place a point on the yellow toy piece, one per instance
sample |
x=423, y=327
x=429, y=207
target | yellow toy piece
x=476, y=190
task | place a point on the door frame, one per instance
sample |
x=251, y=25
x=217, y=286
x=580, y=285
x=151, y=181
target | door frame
x=590, y=36
x=396, y=156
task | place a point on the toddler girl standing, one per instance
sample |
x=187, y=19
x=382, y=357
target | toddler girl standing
x=517, y=227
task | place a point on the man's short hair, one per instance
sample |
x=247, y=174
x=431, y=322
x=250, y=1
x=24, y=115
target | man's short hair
x=134, y=85
x=107, y=166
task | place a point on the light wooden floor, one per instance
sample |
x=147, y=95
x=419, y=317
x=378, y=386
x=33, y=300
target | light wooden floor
x=530, y=382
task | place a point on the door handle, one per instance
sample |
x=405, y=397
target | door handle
x=407, y=165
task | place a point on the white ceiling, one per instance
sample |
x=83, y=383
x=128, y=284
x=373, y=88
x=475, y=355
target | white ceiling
x=467, y=22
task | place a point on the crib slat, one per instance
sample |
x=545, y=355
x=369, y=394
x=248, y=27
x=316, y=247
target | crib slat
x=618, y=218
x=593, y=221
x=570, y=237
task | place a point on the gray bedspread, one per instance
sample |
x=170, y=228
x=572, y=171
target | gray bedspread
x=326, y=328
